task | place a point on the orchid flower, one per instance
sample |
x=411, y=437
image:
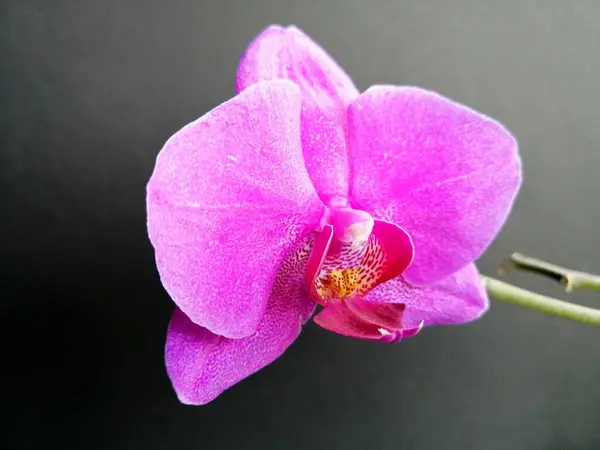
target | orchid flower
x=301, y=191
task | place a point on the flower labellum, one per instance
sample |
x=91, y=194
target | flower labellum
x=300, y=191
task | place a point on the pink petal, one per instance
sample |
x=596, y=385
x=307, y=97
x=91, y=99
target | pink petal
x=399, y=248
x=456, y=299
x=317, y=257
x=385, y=315
x=326, y=91
x=445, y=173
x=336, y=317
x=228, y=197
x=201, y=365
x=352, y=269
x=363, y=319
x=410, y=332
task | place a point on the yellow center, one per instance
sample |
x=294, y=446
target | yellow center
x=340, y=283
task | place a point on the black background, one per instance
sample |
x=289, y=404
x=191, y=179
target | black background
x=90, y=91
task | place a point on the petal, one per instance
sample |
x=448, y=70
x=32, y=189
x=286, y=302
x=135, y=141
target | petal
x=326, y=91
x=398, y=246
x=445, y=173
x=317, y=257
x=228, y=197
x=386, y=315
x=363, y=319
x=353, y=269
x=336, y=317
x=410, y=332
x=201, y=365
x=456, y=299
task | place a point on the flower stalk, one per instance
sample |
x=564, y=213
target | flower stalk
x=571, y=279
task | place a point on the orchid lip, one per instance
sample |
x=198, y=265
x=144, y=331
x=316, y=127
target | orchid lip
x=340, y=226
x=353, y=253
x=363, y=319
x=317, y=257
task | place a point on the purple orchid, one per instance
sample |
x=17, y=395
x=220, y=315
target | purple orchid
x=301, y=190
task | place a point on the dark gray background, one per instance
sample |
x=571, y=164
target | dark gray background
x=90, y=91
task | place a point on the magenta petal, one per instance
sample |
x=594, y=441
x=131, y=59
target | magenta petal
x=326, y=91
x=456, y=299
x=201, y=364
x=336, y=317
x=386, y=253
x=385, y=315
x=410, y=332
x=445, y=173
x=317, y=256
x=398, y=247
x=228, y=197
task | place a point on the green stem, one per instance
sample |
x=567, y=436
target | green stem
x=503, y=291
x=571, y=279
